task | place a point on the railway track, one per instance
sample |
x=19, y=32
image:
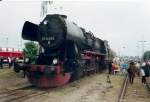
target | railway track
x=9, y=90
x=20, y=94
x=148, y=86
x=123, y=89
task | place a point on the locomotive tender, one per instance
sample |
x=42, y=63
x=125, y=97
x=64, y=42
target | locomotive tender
x=67, y=52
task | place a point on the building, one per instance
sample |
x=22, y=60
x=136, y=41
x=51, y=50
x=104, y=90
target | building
x=10, y=52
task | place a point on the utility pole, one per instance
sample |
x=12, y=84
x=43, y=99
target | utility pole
x=20, y=44
x=44, y=7
x=142, y=44
x=123, y=50
x=138, y=51
x=6, y=41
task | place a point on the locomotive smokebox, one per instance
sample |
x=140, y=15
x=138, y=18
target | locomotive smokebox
x=29, y=31
x=52, y=31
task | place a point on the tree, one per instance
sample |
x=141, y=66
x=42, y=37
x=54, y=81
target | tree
x=146, y=55
x=31, y=50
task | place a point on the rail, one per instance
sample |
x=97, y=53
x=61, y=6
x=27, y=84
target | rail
x=148, y=86
x=123, y=89
x=19, y=94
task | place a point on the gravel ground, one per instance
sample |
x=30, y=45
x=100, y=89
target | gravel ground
x=9, y=79
x=93, y=88
x=137, y=92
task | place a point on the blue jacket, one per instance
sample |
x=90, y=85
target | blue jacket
x=146, y=70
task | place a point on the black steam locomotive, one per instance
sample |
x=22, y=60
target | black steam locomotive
x=67, y=52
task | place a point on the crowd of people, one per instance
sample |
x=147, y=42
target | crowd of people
x=118, y=67
x=4, y=61
x=9, y=61
x=139, y=69
x=132, y=68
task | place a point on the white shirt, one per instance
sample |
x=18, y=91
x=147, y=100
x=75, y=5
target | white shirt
x=138, y=65
x=9, y=59
x=142, y=72
x=143, y=64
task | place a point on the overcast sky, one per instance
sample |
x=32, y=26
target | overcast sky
x=121, y=22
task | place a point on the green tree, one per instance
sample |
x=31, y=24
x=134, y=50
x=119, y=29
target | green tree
x=146, y=55
x=31, y=50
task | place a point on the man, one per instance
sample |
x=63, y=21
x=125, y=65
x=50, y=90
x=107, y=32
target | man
x=9, y=61
x=123, y=67
x=131, y=72
x=109, y=67
x=143, y=75
x=145, y=71
x=1, y=62
x=138, y=66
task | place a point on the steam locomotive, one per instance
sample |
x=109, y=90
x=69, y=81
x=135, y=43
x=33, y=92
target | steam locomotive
x=67, y=52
